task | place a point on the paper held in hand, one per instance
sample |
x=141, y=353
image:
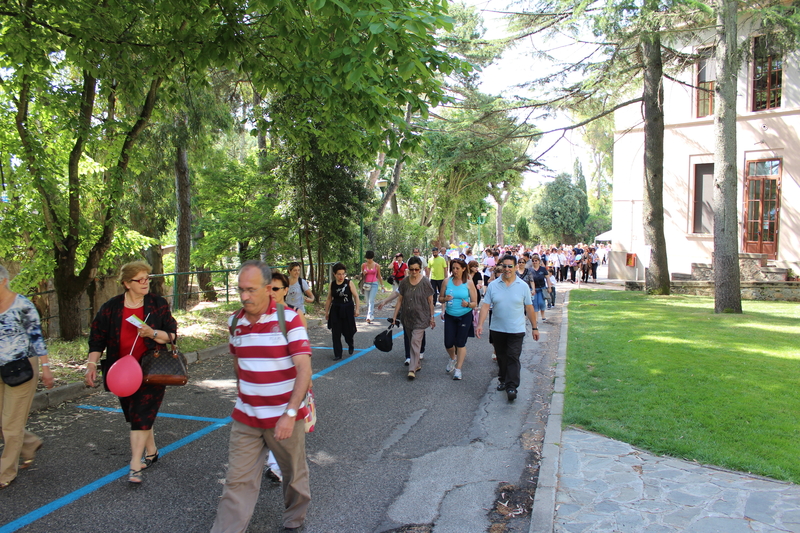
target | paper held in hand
x=135, y=320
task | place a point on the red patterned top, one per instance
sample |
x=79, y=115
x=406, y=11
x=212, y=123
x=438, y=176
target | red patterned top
x=129, y=334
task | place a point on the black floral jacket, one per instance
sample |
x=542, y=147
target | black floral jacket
x=107, y=325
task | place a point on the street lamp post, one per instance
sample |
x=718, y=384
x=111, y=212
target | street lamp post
x=479, y=220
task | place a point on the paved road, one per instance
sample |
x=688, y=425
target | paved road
x=387, y=452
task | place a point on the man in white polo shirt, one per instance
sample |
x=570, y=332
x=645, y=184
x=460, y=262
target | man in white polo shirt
x=273, y=372
x=510, y=300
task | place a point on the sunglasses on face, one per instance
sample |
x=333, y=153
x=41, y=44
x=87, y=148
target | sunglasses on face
x=505, y=265
x=276, y=289
x=414, y=269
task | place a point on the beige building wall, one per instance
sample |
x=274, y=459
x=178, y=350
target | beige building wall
x=689, y=141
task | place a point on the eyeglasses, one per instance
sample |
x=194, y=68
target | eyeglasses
x=142, y=280
x=414, y=269
x=276, y=289
x=250, y=290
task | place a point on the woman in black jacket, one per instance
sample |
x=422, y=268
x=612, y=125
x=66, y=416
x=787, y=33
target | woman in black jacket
x=113, y=331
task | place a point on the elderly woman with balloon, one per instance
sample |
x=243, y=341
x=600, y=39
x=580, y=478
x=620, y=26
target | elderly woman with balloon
x=126, y=327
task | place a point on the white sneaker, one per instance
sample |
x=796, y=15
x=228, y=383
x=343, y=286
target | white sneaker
x=457, y=374
x=408, y=361
x=421, y=356
x=451, y=364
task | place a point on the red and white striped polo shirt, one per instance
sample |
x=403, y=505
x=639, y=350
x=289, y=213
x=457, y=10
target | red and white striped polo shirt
x=266, y=370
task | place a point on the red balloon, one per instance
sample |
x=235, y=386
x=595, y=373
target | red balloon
x=125, y=376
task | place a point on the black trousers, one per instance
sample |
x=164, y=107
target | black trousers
x=437, y=288
x=508, y=347
x=336, y=337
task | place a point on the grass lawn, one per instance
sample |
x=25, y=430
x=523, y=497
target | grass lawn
x=668, y=375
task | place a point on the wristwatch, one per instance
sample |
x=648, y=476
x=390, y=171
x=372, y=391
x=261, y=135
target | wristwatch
x=291, y=412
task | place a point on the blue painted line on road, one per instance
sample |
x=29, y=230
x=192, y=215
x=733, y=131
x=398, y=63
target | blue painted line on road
x=103, y=481
x=164, y=415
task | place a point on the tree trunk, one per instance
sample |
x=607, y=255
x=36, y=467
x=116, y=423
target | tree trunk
x=206, y=283
x=261, y=138
x=65, y=234
x=392, y=188
x=320, y=278
x=155, y=257
x=388, y=196
x=440, y=235
x=657, y=278
x=376, y=173
x=243, y=250
x=184, y=232
x=498, y=223
x=727, y=292
x=69, y=294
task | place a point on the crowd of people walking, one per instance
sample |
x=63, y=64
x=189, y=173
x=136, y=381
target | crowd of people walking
x=505, y=288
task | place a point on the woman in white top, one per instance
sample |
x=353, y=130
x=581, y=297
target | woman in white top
x=299, y=292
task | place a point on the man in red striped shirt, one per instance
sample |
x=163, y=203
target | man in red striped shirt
x=273, y=373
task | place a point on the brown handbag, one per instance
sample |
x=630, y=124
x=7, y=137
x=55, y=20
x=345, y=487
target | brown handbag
x=164, y=367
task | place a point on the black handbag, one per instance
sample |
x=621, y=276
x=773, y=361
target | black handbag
x=164, y=367
x=383, y=340
x=16, y=372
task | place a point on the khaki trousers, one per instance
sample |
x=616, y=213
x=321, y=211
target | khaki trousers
x=416, y=345
x=248, y=448
x=15, y=404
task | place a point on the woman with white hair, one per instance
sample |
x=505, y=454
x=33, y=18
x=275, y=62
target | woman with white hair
x=22, y=349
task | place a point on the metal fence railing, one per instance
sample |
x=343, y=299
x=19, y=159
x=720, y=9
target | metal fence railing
x=223, y=282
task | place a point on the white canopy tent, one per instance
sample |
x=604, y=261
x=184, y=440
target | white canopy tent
x=603, y=237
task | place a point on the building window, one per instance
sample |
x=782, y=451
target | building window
x=706, y=79
x=703, y=196
x=767, y=75
x=762, y=201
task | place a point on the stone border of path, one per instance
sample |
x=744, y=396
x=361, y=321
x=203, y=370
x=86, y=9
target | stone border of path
x=544, y=499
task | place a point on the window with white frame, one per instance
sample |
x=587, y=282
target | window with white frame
x=767, y=74
x=706, y=80
x=703, y=209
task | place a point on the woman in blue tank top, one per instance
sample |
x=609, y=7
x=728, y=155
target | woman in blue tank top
x=460, y=298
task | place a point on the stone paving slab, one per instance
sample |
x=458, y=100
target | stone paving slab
x=607, y=486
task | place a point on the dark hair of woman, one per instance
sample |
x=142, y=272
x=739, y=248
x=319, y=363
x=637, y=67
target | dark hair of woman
x=464, y=271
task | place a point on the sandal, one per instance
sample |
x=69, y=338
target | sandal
x=135, y=477
x=148, y=460
x=6, y=484
x=28, y=462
